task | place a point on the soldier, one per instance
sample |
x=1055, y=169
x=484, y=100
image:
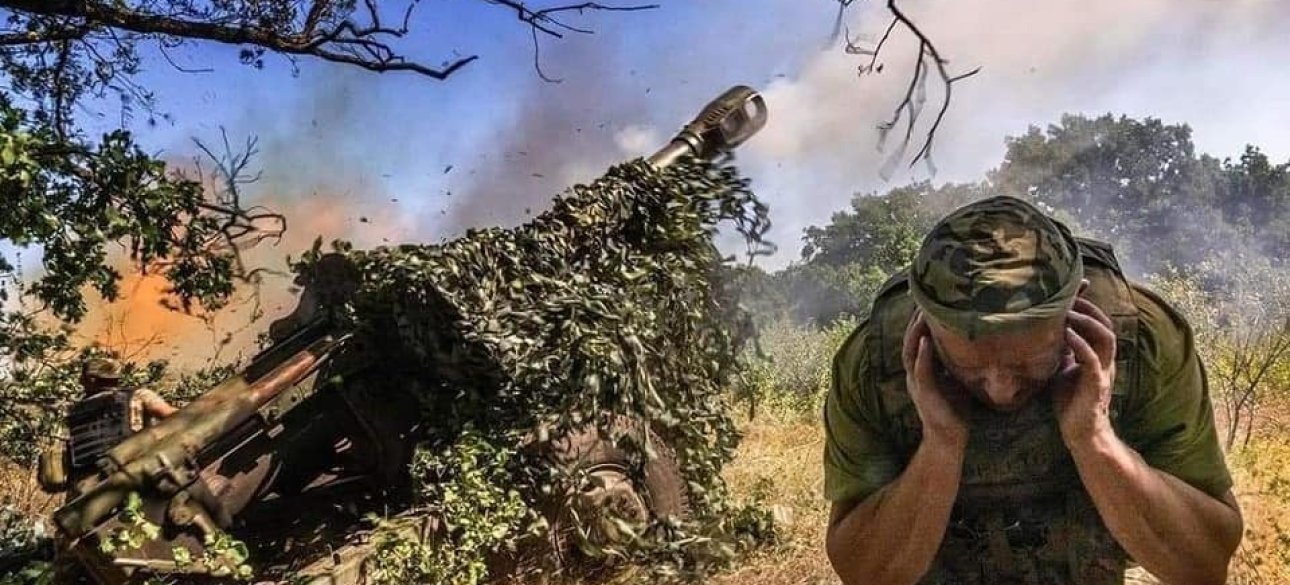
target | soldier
x=102, y=418
x=1015, y=411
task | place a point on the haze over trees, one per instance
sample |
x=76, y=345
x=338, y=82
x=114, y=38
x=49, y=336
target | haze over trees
x=1138, y=184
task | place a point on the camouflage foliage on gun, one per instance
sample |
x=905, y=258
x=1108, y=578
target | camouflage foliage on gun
x=608, y=304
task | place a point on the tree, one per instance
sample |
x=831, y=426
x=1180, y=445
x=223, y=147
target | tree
x=74, y=198
x=845, y=262
x=884, y=230
x=1254, y=196
x=910, y=107
x=1136, y=183
x=1243, y=335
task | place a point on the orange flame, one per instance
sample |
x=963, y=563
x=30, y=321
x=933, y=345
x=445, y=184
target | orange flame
x=141, y=325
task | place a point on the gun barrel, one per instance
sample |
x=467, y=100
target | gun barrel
x=723, y=124
x=196, y=413
x=158, y=454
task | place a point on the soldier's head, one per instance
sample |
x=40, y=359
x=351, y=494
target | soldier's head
x=995, y=280
x=98, y=374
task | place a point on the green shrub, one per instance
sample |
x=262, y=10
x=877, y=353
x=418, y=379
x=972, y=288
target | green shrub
x=791, y=374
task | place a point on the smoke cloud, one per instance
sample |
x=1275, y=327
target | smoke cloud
x=560, y=134
x=314, y=173
x=1171, y=59
x=347, y=149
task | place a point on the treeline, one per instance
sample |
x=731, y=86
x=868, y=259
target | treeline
x=1138, y=184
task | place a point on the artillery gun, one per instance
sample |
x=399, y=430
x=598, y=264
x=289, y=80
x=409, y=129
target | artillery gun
x=296, y=445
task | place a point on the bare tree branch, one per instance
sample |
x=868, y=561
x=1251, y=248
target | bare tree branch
x=104, y=35
x=327, y=43
x=837, y=22
x=241, y=228
x=547, y=21
x=537, y=59
x=9, y=39
x=180, y=68
x=928, y=57
x=854, y=48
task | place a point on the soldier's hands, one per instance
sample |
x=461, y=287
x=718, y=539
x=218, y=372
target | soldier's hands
x=1083, y=393
x=941, y=411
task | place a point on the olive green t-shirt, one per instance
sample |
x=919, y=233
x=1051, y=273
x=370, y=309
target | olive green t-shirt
x=1166, y=415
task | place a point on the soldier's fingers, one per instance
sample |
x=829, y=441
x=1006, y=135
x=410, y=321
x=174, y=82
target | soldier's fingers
x=915, y=331
x=1100, y=337
x=1069, y=367
x=1086, y=307
x=924, y=372
x=1084, y=354
x=916, y=321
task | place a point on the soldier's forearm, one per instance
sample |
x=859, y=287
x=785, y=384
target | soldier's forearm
x=1175, y=531
x=892, y=536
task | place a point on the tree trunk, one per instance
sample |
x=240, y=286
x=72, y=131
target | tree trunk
x=1233, y=423
x=1249, y=428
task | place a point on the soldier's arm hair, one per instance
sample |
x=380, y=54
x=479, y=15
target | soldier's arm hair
x=1175, y=531
x=1162, y=487
x=891, y=536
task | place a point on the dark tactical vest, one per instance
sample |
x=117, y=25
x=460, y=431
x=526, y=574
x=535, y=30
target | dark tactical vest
x=1022, y=515
x=95, y=425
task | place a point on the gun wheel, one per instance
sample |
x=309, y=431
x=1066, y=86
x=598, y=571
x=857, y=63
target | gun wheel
x=610, y=498
x=609, y=494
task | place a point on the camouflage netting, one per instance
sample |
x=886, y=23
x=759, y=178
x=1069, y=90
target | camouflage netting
x=610, y=304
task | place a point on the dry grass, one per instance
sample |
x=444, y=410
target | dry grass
x=18, y=488
x=1262, y=475
x=787, y=454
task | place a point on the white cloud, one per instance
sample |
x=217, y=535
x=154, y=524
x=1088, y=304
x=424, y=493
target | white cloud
x=637, y=140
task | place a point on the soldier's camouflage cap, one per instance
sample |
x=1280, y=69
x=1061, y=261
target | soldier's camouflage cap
x=101, y=369
x=996, y=265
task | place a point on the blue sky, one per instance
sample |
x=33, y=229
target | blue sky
x=373, y=138
x=512, y=140
x=339, y=144
x=338, y=139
